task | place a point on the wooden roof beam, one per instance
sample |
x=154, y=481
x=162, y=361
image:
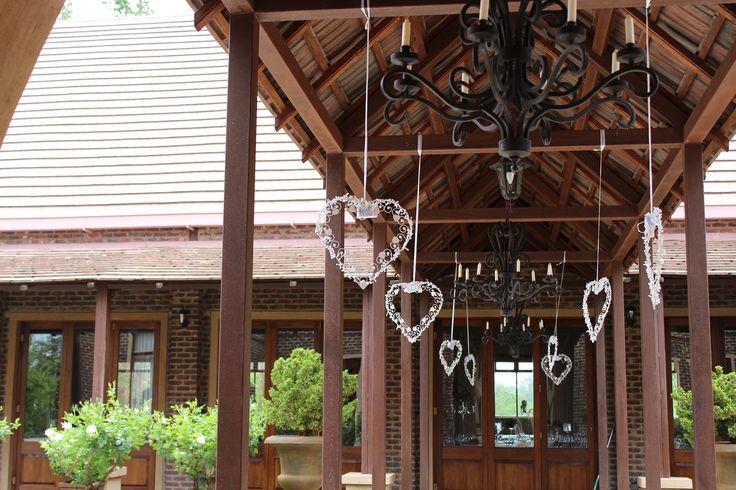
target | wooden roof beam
x=207, y=12
x=241, y=6
x=535, y=257
x=527, y=214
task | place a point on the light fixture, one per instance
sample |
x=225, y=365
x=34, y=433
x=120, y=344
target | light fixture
x=513, y=333
x=183, y=321
x=519, y=91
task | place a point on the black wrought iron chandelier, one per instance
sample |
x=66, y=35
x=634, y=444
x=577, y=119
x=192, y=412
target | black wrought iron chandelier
x=514, y=333
x=524, y=91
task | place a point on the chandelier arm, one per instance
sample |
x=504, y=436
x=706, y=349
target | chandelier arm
x=553, y=114
x=561, y=14
x=559, y=69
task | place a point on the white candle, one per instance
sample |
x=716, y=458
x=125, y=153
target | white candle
x=528, y=321
x=518, y=265
x=459, y=271
x=467, y=274
x=523, y=327
x=406, y=33
x=504, y=321
x=466, y=80
x=479, y=268
x=541, y=324
x=549, y=269
x=495, y=275
x=488, y=325
x=615, y=64
x=483, y=10
x=629, y=30
x=534, y=276
x=572, y=10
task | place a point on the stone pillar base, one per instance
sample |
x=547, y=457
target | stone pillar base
x=364, y=481
x=671, y=482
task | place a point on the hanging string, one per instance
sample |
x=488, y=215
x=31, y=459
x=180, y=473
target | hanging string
x=454, y=294
x=647, y=6
x=365, y=6
x=416, y=216
x=559, y=290
x=467, y=324
x=600, y=185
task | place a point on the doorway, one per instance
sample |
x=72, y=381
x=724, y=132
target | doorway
x=514, y=429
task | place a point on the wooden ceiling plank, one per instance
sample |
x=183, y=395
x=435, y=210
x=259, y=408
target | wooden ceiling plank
x=613, y=184
x=568, y=174
x=455, y=195
x=321, y=58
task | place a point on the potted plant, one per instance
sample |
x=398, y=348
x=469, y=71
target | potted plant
x=7, y=428
x=94, y=442
x=188, y=438
x=295, y=408
x=724, y=417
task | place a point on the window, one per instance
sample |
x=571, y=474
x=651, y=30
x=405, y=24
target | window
x=135, y=368
x=680, y=373
x=514, y=400
x=352, y=354
x=462, y=415
x=43, y=383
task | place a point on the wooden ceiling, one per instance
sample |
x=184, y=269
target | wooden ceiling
x=312, y=78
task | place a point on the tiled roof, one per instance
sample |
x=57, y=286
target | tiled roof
x=190, y=261
x=126, y=117
x=721, y=255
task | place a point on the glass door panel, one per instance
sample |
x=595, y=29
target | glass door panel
x=43, y=383
x=83, y=362
x=135, y=381
x=514, y=398
x=680, y=373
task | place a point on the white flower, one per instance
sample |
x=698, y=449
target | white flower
x=200, y=440
x=92, y=429
x=66, y=425
x=52, y=434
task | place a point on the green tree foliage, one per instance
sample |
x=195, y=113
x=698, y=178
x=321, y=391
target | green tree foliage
x=123, y=8
x=295, y=403
x=42, y=384
x=7, y=428
x=95, y=438
x=724, y=406
x=66, y=10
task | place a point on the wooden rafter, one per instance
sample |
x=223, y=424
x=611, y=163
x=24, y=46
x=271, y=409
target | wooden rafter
x=525, y=214
x=207, y=12
x=534, y=257
x=703, y=49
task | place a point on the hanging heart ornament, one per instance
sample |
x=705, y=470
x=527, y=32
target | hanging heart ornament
x=654, y=253
x=602, y=285
x=448, y=347
x=413, y=332
x=470, y=373
x=552, y=348
x=364, y=274
x=548, y=363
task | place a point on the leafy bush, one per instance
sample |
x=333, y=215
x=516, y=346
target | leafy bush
x=295, y=403
x=724, y=406
x=7, y=428
x=188, y=438
x=95, y=438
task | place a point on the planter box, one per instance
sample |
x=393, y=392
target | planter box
x=726, y=466
x=364, y=481
x=114, y=481
x=670, y=482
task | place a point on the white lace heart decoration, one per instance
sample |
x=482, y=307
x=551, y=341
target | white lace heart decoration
x=450, y=345
x=552, y=355
x=470, y=358
x=413, y=332
x=654, y=253
x=367, y=274
x=602, y=285
x=547, y=364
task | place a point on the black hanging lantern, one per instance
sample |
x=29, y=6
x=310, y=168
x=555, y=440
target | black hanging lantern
x=510, y=173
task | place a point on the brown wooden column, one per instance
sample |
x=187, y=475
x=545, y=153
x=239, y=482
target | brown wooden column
x=602, y=404
x=425, y=401
x=699, y=319
x=103, y=342
x=333, y=336
x=650, y=381
x=237, y=254
x=366, y=454
x=407, y=422
x=378, y=367
x=664, y=396
x=619, y=375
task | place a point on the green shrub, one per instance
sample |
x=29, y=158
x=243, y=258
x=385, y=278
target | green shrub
x=188, y=438
x=7, y=428
x=724, y=406
x=95, y=438
x=295, y=403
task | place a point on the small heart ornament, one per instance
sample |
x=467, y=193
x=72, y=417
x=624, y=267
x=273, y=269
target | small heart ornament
x=471, y=374
x=449, y=346
x=552, y=348
x=654, y=253
x=413, y=332
x=602, y=285
x=365, y=274
x=548, y=362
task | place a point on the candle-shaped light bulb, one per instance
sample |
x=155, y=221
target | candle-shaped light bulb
x=528, y=321
x=459, y=271
x=518, y=265
x=504, y=321
x=523, y=327
x=549, y=269
x=572, y=10
x=467, y=274
x=464, y=88
x=406, y=33
x=629, y=30
x=615, y=63
x=479, y=269
x=488, y=325
x=541, y=324
x=483, y=10
x=534, y=276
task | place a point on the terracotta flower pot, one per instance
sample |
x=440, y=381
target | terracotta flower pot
x=726, y=466
x=300, y=458
x=114, y=481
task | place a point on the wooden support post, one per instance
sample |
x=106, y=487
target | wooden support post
x=602, y=404
x=650, y=381
x=407, y=424
x=103, y=342
x=366, y=452
x=619, y=371
x=378, y=367
x=333, y=336
x=425, y=401
x=237, y=254
x=699, y=319
x=664, y=396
